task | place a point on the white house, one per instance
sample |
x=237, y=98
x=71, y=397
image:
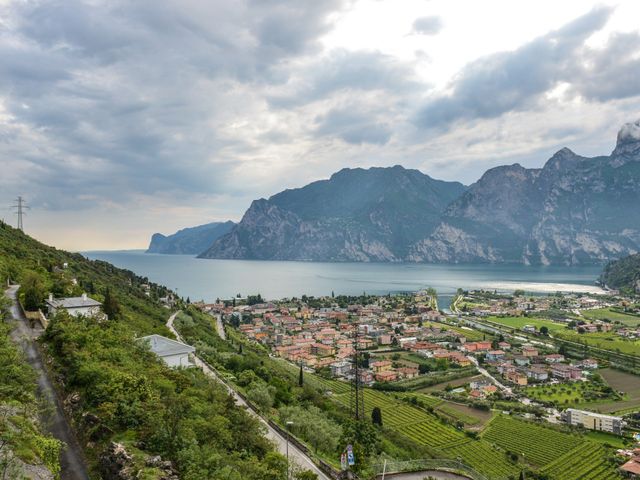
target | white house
x=75, y=306
x=173, y=353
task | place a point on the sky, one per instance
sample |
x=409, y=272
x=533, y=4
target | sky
x=121, y=119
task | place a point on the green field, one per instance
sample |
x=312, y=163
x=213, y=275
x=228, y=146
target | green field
x=569, y=394
x=540, y=445
x=623, y=382
x=604, y=340
x=562, y=456
x=520, y=322
x=587, y=462
x=612, y=315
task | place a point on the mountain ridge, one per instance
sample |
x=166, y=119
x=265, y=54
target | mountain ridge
x=572, y=210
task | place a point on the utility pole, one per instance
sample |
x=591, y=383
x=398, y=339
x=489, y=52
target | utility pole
x=357, y=394
x=19, y=207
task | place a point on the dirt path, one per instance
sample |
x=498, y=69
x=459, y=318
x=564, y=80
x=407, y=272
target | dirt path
x=54, y=421
x=296, y=455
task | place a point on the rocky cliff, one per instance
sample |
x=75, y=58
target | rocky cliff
x=189, y=241
x=574, y=210
x=356, y=215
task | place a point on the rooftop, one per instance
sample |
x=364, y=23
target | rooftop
x=164, y=347
x=73, y=302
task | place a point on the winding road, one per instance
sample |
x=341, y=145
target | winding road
x=54, y=420
x=296, y=455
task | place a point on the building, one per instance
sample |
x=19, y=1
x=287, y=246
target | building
x=340, y=369
x=76, y=306
x=381, y=366
x=173, y=353
x=386, y=376
x=516, y=377
x=566, y=372
x=594, y=421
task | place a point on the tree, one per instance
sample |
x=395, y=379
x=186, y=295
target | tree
x=544, y=330
x=32, y=290
x=301, y=377
x=110, y=306
x=376, y=416
x=262, y=396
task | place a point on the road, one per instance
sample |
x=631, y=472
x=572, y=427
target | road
x=484, y=372
x=220, y=327
x=296, y=455
x=54, y=419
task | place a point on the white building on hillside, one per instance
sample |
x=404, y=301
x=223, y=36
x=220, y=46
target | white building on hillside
x=173, y=353
x=75, y=306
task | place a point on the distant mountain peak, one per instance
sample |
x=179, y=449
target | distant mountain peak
x=628, y=142
x=189, y=241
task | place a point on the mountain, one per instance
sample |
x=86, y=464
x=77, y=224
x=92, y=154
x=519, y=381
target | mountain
x=356, y=215
x=189, y=241
x=623, y=274
x=574, y=210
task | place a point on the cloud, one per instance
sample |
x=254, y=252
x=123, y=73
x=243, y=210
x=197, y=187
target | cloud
x=508, y=81
x=427, y=25
x=354, y=127
x=108, y=100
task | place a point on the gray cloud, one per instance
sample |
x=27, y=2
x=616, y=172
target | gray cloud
x=427, y=25
x=354, y=127
x=114, y=99
x=503, y=82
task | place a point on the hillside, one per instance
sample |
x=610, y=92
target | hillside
x=623, y=274
x=126, y=406
x=574, y=210
x=189, y=241
x=356, y=215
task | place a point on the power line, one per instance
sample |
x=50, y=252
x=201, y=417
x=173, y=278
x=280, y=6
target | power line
x=19, y=207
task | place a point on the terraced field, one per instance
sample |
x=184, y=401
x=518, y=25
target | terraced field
x=540, y=445
x=587, y=462
x=480, y=456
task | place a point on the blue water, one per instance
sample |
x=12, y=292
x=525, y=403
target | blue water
x=211, y=279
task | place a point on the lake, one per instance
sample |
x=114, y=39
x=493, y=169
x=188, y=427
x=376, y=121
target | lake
x=207, y=280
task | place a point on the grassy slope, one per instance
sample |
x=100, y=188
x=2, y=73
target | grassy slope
x=126, y=393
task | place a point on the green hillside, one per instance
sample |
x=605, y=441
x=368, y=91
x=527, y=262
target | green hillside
x=117, y=391
x=623, y=274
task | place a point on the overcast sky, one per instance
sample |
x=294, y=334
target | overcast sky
x=120, y=119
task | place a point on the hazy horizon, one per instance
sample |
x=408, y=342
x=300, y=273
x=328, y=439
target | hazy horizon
x=120, y=120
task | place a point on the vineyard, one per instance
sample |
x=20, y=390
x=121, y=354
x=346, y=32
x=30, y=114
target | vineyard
x=480, y=456
x=587, y=462
x=540, y=445
x=560, y=455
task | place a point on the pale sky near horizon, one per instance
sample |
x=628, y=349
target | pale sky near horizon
x=120, y=119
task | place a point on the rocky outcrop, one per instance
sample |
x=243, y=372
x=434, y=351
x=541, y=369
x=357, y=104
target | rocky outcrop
x=189, y=241
x=116, y=463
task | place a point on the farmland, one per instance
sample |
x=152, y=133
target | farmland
x=612, y=315
x=587, y=462
x=624, y=382
x=560, y=455
x=519, y=322
x=571, y=394
x=541, y=445
x=607, y=341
